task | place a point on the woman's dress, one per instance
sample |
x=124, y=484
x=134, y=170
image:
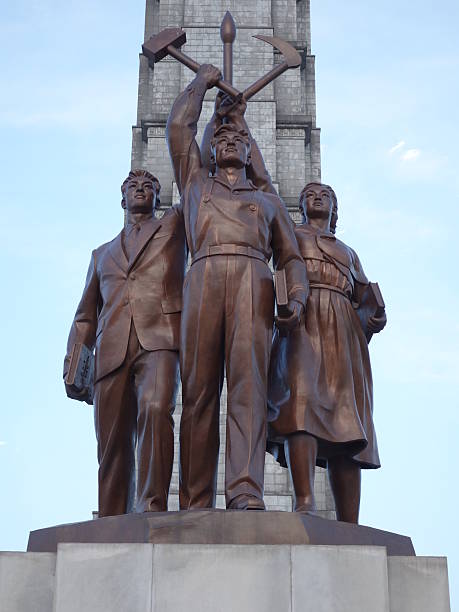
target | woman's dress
x=320, y=377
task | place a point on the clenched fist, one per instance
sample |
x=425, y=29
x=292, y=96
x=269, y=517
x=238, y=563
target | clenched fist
x=209, y=74
x=233, y=110
x=376, y=324
x=291, y=320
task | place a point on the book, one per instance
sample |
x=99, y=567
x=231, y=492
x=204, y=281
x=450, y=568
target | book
x=81, y=370
x=280, y=288
x=371, y=305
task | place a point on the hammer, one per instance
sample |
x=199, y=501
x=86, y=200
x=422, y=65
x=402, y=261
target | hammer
x=168, y=42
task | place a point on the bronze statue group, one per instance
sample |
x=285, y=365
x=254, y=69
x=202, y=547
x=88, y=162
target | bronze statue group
x=299, y=384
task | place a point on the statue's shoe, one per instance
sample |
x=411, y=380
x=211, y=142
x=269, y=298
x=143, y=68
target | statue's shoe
x=308, y=511
x=246, y=502
x=305, y=504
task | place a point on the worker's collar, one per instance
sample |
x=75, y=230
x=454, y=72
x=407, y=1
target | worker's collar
x=244, y=185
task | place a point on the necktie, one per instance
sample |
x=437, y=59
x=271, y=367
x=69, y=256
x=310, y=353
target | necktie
x=131, y=234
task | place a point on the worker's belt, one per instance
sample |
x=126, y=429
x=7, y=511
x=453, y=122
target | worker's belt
x=329, y=287
x=228, y=249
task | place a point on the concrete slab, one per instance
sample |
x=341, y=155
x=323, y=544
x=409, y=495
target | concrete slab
x=104, y=578
x=418, y=584
x=339, y=579
x=200, y=578
x=27, y=581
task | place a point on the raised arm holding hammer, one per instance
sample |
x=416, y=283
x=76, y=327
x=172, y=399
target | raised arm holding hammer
x=232, y=231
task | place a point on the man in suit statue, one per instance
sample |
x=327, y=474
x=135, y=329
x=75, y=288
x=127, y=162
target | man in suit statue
x=130, y=312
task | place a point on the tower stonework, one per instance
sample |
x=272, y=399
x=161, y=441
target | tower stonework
x=282, y=118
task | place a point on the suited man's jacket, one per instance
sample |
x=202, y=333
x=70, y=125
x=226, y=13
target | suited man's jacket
x=146, y=290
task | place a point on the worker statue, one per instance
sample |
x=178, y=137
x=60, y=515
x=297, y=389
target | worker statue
x=232, y=230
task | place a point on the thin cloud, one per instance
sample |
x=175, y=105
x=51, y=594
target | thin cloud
x=397, y=147
x=413, y=163
x=411, y=154
x=2, y=443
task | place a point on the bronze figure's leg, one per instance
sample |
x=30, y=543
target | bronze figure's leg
x=201, y=366
x=155, y=382
x=345, y=479
x=248, y=332
x=114, y=416
x=301, y=455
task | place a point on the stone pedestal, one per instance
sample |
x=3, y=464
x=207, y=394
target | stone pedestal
x=27, y=581
x=204, y=561
x=227, y=578
x=418, y=583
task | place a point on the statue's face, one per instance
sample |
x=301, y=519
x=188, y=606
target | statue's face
x=317, y=202
x=231, y=150
x=140, y=195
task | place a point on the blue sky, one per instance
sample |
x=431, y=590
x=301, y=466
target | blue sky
x=387, y=90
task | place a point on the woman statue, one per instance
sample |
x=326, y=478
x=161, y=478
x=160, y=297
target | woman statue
x=321, y=390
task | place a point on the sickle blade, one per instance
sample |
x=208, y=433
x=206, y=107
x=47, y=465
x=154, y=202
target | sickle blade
x=291, y=55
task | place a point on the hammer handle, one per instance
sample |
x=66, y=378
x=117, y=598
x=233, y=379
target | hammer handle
x=264, y=81
x=194, y=66
x=228, y=62
x=228, y=89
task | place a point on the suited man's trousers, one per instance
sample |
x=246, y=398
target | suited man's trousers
x=227, y=320
x=134, y=406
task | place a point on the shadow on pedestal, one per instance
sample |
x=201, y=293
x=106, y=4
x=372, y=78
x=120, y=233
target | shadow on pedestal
x=218, y=527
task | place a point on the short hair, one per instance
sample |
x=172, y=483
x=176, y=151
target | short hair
x=230, y=128
x=334, y=199
x=134, y=174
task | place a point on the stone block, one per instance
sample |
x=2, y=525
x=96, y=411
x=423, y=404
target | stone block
x=27, y=581
x=341, y=578
x=257, y=12
x=223, y=578
x=418, y=584
x=105, y=577
x=284, y=18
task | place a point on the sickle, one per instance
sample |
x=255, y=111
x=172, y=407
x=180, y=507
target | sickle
x=292, y=59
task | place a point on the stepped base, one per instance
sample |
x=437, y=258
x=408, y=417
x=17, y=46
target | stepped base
x=206, y=578
x=218, y=527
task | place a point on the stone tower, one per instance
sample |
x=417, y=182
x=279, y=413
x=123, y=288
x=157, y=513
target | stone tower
x=282, y=118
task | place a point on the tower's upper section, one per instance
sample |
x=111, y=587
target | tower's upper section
x=282, y=117
x=289, y=19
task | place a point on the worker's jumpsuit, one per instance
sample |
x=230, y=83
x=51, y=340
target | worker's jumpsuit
x=227, y=317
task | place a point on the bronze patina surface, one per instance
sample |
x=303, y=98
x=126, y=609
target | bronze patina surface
x=130, y=314
x=321, y=388
x=138, y=311
x=219, y=527
x=169, y=41
x=232, y=229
